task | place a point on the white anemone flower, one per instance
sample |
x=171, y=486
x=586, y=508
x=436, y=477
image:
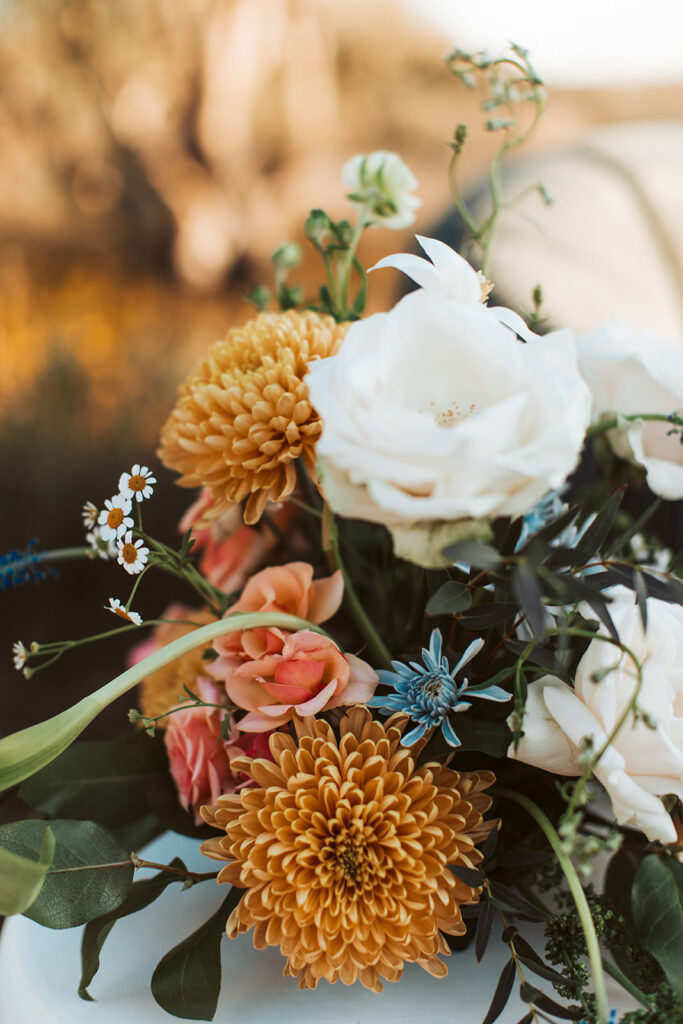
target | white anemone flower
x=119, y=609
x=132, y=554
x=138, y=484
x=114, y=518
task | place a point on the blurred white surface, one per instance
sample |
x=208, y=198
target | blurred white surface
x=610, y=246
x=40, y=970
x=572, y=42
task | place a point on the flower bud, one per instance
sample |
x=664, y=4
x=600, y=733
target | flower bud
x=382, y=183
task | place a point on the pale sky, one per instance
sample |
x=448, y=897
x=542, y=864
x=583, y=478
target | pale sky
x=572, y=42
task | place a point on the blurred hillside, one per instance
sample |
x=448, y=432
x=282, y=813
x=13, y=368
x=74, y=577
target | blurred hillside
x=155, y=154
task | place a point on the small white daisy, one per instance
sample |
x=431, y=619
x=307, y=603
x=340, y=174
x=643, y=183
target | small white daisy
x=114, y=518
x=138, y=483
x=105, y=549
x=90, y=513
x=119, y=609
x=20, y=654
x=132, y=555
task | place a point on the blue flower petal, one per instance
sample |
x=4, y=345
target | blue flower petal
x=449, y=734
x=491, y=693
x=414, y=735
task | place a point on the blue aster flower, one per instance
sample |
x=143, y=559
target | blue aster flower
x=429, y=692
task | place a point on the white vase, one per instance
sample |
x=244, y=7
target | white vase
x=40, y=971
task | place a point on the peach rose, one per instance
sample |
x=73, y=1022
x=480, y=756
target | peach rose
x=282, y=588
x=229, y=550
x=309, y=675
x=200, y=762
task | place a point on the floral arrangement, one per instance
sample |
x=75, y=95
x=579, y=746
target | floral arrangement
x=431, y=681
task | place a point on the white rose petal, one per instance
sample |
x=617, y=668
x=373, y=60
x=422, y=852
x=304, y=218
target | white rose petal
x=641, y=764
x=630, y=373
x=436, y=413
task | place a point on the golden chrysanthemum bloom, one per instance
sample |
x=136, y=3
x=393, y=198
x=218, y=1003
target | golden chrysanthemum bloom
x=243, y=415
x=161, y=690
x=345, y=851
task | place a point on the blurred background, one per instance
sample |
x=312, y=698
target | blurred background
x=155, y=153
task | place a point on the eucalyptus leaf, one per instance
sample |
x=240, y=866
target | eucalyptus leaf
x=449, y=599
x=657, y=903
x=473, y=553
x=502, y=993
x=483, y=931
x=528, y=593
x=90, y=874
x=187, y=981
x=22, y=878
x=486, y=615
x=141, y=895
x=110, y=782
x=598, y=531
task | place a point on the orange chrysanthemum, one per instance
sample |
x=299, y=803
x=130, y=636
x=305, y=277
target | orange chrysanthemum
x=345, y=852
x=243, y=415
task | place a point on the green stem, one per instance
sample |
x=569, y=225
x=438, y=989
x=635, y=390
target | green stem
x=378, y=648
x=136, y=585
x=64, y=554
x=615, y=421
x=626, y=983
x=576, y=889
x=27, y=751
x=346, y=261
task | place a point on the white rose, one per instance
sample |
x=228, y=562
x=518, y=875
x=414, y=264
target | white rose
x=435, y=415
x=382, y=182
x=642, y=764
x=631, y=373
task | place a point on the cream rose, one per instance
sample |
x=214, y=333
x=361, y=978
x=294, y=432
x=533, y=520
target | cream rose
x=632, y=373
x=641, y=764
x=436, y=413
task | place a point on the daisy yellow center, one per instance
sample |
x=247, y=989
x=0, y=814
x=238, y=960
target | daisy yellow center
x=114, y=517
x=122, y=613
x=129, y=553
x=137, y=483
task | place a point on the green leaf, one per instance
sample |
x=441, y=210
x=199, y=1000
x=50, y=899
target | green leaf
x=21, y=878
x=90, y=875
x=486, y=615
x=597, y=533
x=488, y=736
x=449, y=599
x=483, y=931
x=187, y=981
x=657, y=902
x=528, y=593
x=24, y=753
x=95, y=933
x=110, y=782
x=474, y=554
x=502, y=993
x=530, y=994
